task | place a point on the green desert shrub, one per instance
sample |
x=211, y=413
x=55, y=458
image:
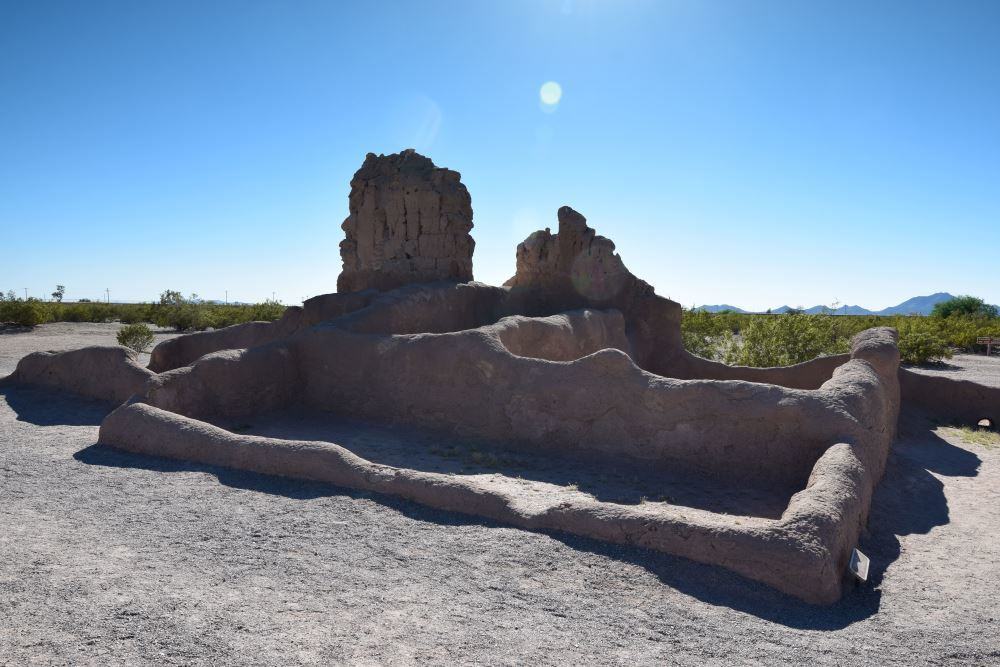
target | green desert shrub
x=77, y=312
x=23, y=312
x=133, y=313
x=918, y=347
x=178, y=312
x=136, y=337
x=767, y=340
x=707, y=335
x=268, y=311
x=783, y=340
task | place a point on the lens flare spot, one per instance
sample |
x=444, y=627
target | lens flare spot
x=550, y=93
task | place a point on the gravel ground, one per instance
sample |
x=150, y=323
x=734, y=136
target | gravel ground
x=15, y=342
x=976, y=367
x=109, y=558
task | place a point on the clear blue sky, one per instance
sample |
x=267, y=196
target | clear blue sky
x=752, y=153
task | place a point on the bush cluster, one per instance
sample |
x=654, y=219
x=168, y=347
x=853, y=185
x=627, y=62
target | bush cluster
x=173, y=310
x=22, y=312
x=780, y=340
x=784, y=340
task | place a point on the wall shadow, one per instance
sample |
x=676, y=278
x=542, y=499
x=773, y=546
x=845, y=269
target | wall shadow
x=50, y=407
x=610, y=479
x=910, y=500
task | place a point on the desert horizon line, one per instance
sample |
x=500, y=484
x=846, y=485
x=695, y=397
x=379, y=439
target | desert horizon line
x=718, y=306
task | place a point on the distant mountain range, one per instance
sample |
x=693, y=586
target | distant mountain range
x=918, y=305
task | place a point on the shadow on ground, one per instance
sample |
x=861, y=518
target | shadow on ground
x=49, y=407
x=941, y=366
x=14, y=329
x=910, y=500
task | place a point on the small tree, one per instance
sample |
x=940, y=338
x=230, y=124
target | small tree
x=136, y=337
x=180, y=313
x=58, y=294
x=964, y=305
x=171, y=298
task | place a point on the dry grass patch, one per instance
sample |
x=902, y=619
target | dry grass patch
x=976, y=435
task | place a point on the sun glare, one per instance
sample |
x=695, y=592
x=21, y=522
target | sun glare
x=550, y=93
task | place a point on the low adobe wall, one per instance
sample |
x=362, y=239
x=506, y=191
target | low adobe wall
x=950, y=400
x=651, y=327
x=469, y=382
x=600, y=405
x=230, y=382
x=564, y=337
x=804, y=553
x=183, y=350
x=108, y=373
x=806, y=375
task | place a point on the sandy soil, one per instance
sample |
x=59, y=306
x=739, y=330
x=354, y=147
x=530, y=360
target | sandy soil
x=111, y=558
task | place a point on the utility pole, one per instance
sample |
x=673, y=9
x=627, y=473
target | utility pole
x=25, y=293
x=227, y=297
x=107, y=290
x=273, y=298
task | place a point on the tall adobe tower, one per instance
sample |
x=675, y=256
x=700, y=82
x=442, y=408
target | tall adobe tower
x=409, y=223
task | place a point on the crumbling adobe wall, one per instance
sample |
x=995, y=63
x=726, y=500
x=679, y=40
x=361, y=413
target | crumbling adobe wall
x=409, y=223
x=576, y=268
x=803, y=553
x=230, y=382
x=601, y=405
x=108, y=373
x=562, y=383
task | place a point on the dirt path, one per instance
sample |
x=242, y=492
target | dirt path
x=108, y=558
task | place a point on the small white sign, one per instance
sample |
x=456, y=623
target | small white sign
x=859, y=565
